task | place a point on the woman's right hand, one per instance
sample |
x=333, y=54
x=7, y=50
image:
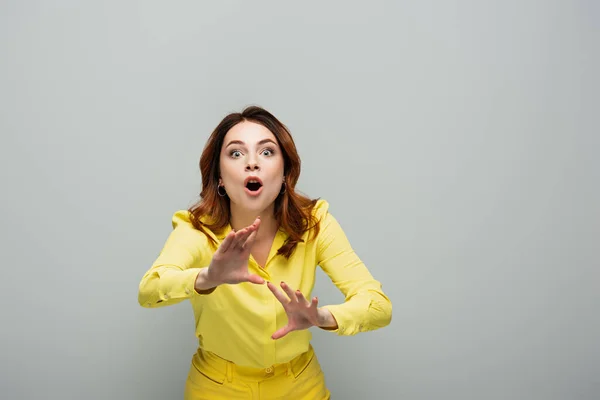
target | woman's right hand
x=230, y=262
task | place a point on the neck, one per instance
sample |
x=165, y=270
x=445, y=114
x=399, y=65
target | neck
x=241, y=218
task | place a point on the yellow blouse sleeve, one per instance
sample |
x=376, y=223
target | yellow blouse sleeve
x=366, y=307
x=172, y=276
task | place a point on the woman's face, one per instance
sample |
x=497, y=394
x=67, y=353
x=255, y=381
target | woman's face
x=251, y=166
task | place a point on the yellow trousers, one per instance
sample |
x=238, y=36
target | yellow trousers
x=213, y=378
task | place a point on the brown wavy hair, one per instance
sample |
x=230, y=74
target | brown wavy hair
x=293, y=211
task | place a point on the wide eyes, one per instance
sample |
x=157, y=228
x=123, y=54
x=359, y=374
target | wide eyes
x=268, y=152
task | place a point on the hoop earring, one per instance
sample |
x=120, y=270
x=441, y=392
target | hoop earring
x=280, y=192
x=219, y=192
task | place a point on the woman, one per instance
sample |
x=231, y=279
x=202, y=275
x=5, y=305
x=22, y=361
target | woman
x=245, y=257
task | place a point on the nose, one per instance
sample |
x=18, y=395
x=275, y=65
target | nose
x=252, y=166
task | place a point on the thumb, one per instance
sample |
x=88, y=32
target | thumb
x=281, y=332
x=253, y=278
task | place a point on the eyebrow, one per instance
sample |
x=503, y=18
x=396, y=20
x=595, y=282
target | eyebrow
x=242, y=143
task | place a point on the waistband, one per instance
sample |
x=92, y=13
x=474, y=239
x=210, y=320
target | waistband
x=220, y=369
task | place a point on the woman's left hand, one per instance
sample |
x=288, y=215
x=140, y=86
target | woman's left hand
x=301, y=313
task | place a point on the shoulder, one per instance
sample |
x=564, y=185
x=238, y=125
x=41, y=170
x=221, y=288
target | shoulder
x=321, y=213
x=182, y=218
x=182, y=221
x=321, y=209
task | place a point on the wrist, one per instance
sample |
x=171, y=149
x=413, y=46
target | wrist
x=325, y=319
x=203, y=283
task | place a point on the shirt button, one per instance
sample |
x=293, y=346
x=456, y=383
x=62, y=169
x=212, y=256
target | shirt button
x=166, y=296
x=149, y=304
x=269, y=370
x=187, y=291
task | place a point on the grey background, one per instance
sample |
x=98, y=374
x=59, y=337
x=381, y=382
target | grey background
x=456, y=142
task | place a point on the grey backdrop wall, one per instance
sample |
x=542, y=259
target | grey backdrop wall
x=455, y=141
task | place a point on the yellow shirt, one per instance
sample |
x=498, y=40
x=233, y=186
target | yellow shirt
x=236, y=321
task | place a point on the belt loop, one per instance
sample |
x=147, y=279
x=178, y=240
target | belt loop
x=229, y=372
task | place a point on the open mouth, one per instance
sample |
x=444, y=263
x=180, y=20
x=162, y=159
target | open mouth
x=253, y=184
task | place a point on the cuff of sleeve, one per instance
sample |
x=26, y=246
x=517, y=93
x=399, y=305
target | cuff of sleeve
x=343, y=319
x=187, y=281
x=182, y=286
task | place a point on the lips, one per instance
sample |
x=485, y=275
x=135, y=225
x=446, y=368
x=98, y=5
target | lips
x=253, y=184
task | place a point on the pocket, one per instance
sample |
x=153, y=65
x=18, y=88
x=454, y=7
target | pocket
x=215, y=378
x=202, y=386
x=307, y=369
x=309, y=380
x=201, y=374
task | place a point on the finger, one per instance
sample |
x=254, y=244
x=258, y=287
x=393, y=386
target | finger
x=314, y=302
x=234, y=239
x=242, y=235
x=253, y=278
x=301, y=298
x=278, y=294
x=240, y=238
x=288, y=290
x=250, y=241
x=281, y=332
x=226, y=244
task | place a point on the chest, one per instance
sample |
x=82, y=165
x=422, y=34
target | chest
x=260, y=252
